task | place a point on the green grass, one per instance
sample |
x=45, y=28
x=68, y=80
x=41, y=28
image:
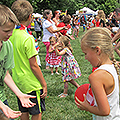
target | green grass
x=60, y=108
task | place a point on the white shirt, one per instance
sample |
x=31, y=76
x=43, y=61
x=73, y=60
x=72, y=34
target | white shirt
x=46, y=33
x=113, y=97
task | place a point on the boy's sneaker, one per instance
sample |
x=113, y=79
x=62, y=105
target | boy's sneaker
x=57, y=73
x=51, y=73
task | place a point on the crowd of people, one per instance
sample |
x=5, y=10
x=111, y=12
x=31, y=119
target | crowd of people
x=73, y=25
x=18, y=52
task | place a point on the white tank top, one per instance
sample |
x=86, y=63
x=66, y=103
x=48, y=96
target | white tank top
x=113, y=97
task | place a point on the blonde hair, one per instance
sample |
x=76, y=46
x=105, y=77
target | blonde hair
x=101, y=15
x=52, y=38
x=101, y=37
x=66, y=42
x=22, y=9
x=97, y=17
x=6, y=14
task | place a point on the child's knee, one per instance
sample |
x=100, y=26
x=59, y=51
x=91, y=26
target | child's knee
x=37, y=117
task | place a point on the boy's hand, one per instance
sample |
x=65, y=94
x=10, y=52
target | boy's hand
x=10, y=113
x=44, y=92
x=25, y=100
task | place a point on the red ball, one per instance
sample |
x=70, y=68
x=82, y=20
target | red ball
x=83, y=89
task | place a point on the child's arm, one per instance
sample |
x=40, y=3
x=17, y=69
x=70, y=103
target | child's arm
x=70, y=36
x=8, y=111
x=52, y=48
x=116, y=37
x=59, y=53
x=51, y=30
x=37, y=72
x=24, y=98
x=97, y=81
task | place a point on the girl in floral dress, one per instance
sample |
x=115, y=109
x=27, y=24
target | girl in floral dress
x=70, y=67
x=53, y=60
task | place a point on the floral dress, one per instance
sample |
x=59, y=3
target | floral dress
x=70, y=67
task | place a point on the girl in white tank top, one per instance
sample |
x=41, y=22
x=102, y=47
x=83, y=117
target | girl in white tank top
x=97, y=46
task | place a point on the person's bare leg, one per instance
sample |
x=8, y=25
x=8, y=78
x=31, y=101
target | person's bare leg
x=77, y=33
x=73, y=32
x=56, y=69
x=37, y=117
x=51, y=70
x=24, y=116
x=65, y=87
x=74, y=83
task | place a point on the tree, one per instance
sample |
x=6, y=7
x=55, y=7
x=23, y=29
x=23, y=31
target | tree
x=54, y=5
x=7, y=2
x=71, y=5
x=107, y=6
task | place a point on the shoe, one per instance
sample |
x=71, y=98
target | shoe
x=51, y=73
x=62, y=95
x=57, y=73
x=39, y=39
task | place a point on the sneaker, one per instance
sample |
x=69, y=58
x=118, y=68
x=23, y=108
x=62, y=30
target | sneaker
x=39, y=39
x=57, y=73
x=51, y=73
x=62, y=95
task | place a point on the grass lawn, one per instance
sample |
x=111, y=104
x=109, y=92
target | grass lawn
x=60, y=108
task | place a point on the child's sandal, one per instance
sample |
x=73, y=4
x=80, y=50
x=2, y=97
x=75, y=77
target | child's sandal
x=62, y=95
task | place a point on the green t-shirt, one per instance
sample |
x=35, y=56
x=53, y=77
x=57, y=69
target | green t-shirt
x=6, y=63
x=24, y=49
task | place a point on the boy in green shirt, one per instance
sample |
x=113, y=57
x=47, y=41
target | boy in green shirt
x=7, y=24
x=26, y=73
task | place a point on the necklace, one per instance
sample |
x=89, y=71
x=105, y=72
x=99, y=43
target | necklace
x=21, y=27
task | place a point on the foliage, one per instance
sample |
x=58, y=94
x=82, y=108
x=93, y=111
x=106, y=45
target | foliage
x=71, y=5
x=118, y=4
x=108, y=6
x=7, y=2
